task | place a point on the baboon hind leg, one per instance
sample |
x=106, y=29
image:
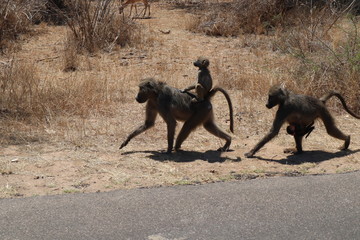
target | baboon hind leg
x=211, y=127
x=187, y=128
x=201, y=113
x=333, y=131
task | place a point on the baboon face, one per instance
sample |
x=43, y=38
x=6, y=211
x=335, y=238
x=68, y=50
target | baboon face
x=277, y=95
x=146, y=90
x=202, y=62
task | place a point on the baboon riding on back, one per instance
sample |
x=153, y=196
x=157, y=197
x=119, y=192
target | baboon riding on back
x=172, y=104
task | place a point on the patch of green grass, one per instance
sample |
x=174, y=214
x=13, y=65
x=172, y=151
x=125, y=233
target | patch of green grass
x=183, y=182
x=345, y=170
x=71, y=191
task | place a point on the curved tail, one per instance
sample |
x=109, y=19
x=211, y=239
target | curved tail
x=338, y=95
x=219, y=89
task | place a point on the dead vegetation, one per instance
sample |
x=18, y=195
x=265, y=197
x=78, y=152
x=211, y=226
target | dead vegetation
x=321, y=36
x=67, y=92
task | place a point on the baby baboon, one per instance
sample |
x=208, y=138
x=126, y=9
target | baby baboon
x=299, y=130
x=173, y=105
x=204, y=81
x=300, y=111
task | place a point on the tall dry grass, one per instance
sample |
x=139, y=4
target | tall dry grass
x=92, y=26
x=322, y=39
x=14, y=20
x=328, y=58
x=24, y=95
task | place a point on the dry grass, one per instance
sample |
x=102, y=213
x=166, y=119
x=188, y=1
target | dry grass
x=98, y=26
x=23, y=93
x=60, y=130
x=322, y=40
x=14, y=21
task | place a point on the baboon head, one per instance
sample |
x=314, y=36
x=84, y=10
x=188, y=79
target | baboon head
x=148, y=88
x=277, y=95
x=202, y=62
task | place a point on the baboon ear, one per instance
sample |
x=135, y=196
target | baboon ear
x=205, y=63
x=149, y=85
x=283, y=88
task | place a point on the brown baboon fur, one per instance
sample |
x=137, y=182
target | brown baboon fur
x=300, y=112
x=173, y=105
x=204, y=81
x=133, y=4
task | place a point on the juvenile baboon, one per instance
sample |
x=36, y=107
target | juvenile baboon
x=300, y=112
x=173, y=105
x=204, y=80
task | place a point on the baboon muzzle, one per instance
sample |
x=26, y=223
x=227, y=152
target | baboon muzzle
x=140, y=100
x=268, y=105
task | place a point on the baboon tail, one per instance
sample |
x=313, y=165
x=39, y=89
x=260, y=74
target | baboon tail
x=338, y=95
x=219, y=89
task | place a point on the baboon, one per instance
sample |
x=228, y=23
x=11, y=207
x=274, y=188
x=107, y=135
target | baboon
x=173, y=105
x=300, y=112
x=204, y=80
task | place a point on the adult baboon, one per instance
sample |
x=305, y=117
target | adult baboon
x=174, y=105
x=204, y=81
x=300, y=112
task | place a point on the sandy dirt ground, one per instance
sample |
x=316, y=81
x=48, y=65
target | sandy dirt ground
x=85, y=156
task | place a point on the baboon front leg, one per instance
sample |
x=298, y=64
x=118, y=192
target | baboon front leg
x=171, y=125
x=262, y=142
x=136, y=132
x=211, y=127
x=151, y=114
x=278, y=122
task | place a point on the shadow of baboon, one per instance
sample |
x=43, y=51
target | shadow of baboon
x=186, y=156
x=316, y=156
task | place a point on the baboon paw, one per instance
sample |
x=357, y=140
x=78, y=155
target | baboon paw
x=346, y=144
x=222, y=149
x=169, y=151
x=343, y=148
x=249, y=155
x=290, y=150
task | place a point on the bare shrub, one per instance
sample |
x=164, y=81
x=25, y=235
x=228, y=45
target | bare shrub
x=324, y=63
x=13, y=21
x=98, y=25
x=304, y=30
x=258, y=16
x=240, y=16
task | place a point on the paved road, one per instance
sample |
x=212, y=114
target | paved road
x=312, y=207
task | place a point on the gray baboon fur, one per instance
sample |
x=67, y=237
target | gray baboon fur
x=173, y=105
x=300, y=112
